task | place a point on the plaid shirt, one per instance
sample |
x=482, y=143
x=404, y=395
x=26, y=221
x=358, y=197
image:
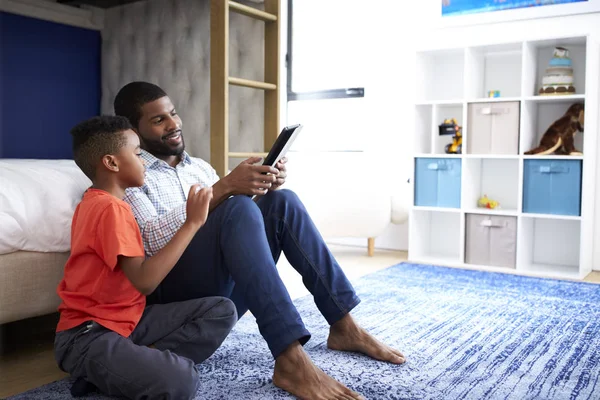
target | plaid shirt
x=159, y=206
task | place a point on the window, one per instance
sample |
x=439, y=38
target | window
x=326, y=74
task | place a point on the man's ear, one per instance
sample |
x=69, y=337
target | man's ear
x=110, y=162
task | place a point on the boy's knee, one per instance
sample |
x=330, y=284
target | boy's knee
x=180, y=382
x=226, y=309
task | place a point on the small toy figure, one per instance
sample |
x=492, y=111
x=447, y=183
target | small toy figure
x=450, y=127
x=485, y=202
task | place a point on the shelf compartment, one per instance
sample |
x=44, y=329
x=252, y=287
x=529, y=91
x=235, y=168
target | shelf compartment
x=423, y=128
x=491, y=240
x=552, y=186
x=437, y=182
x=495, y=177
x=493, y=128
x=549, y=246
x=435, y=236
x=537, y=56
x=441, y=112
x=494, y=67
x=538, y=116
x=440, y=75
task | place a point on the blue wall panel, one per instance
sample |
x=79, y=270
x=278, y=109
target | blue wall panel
x=49, y=80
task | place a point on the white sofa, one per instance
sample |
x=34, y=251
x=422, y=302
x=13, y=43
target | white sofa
x=347, y=195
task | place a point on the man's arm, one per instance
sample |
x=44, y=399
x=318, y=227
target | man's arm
x=156, y=230
x=245, y=179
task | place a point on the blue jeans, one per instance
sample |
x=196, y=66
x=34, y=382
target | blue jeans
x=234, y=255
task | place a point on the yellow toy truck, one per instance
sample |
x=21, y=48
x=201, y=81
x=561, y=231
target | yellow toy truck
x=450, y=127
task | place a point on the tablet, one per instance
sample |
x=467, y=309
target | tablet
x=282, y=144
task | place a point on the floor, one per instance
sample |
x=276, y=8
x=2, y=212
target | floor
x=26, y=358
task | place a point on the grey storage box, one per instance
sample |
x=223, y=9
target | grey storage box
x=493, y=128
x=491, y=240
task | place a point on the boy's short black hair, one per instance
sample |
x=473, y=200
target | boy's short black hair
x=130, y=99
x=96, y=137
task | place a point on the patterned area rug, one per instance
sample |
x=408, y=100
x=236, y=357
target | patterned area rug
x=466, y=335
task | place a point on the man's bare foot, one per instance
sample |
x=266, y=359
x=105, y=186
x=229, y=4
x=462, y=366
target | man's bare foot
x=295, y=373
x=346, y=335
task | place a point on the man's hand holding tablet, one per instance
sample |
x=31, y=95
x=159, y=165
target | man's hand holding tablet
x=253, y=180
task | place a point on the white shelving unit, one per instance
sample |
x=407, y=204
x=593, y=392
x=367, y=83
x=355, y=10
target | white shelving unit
x=451, y=83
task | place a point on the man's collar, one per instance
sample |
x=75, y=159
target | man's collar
x=151, y=160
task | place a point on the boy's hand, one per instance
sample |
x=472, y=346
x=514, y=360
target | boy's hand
x=197, y=205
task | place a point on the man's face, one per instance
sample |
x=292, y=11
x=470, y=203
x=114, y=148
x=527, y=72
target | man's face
x=160, y=128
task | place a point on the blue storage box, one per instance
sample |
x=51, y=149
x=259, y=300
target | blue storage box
x=437, y=182
x=552, y=187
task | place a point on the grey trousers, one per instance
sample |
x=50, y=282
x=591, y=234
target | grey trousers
x=183, y=334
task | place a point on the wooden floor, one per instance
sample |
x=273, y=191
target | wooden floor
x=27, y=360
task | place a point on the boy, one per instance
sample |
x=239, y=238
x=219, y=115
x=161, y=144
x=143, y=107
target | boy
x=107, y=336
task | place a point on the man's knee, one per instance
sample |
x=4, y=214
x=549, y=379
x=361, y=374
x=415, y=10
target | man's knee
x=284, y=196
x=239, y=205
x=286, y=199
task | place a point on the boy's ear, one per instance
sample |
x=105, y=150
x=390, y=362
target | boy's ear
x=110, y=162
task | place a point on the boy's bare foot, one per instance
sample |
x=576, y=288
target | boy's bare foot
x=346, y=335
x=295, y=373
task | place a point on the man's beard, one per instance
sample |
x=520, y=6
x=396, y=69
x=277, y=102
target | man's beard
x=160, y=148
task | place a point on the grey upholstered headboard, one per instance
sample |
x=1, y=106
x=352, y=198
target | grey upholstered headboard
x=167, y=42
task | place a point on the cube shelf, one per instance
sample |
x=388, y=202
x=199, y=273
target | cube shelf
x=491, y=240
x=552, y=187
x=443, y=112
x=435, y=236
x=538, y=116
x=542, y=54
x=550, y=246
x=438, y=182
x=493, y=128
x=495, y=178
x=543, y=221
x=494, y=68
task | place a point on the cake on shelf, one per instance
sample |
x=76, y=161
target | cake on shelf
x=558, y=79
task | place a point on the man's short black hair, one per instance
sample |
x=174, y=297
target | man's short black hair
x=130, y=99
x=96, y=137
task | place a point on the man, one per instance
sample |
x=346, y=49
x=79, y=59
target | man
x=235, y=253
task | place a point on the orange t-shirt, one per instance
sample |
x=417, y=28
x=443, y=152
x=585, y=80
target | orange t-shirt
x=93, y=286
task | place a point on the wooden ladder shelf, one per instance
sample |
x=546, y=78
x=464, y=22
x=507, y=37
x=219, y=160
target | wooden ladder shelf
x=220, y=79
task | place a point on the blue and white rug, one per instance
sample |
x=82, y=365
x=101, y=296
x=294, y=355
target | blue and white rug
x=466, y=335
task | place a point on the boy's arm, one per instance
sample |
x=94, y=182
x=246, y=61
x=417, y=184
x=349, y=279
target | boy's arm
x=146, y=274
x=156, y=230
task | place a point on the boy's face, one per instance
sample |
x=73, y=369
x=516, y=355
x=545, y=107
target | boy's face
x=131, y=165
x=160, y=128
